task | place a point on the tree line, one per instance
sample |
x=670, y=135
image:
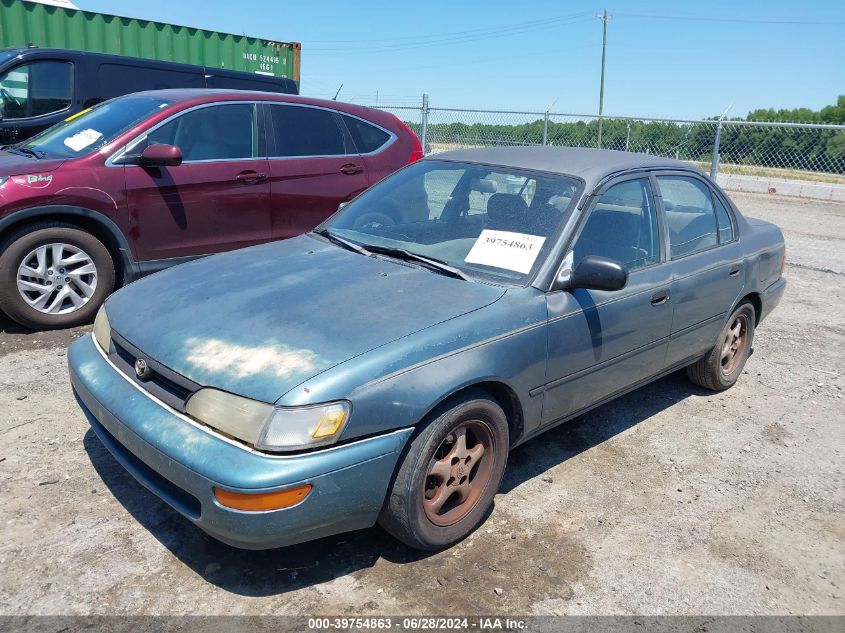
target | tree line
x=780, y=147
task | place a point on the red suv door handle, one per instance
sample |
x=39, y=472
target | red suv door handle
x=250, y=177
x=350, y=169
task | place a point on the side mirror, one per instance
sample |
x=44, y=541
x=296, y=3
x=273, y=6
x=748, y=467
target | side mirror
x=160, y=155
x=597, y=273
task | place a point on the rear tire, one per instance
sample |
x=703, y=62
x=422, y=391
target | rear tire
x=449, y=475
x=722, y=366
x=54, y=275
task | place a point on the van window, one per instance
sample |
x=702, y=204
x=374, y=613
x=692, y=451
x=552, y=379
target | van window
x=301, y=131
x=121, y=79
x=260, y=83
x=36, y=89
x=220, y=132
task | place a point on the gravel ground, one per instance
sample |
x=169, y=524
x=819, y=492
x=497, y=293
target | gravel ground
x=670, y=500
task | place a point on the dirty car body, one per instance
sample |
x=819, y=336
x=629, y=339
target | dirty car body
x=462, y=273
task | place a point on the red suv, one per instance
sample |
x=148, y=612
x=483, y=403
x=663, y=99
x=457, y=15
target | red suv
x=155, y=178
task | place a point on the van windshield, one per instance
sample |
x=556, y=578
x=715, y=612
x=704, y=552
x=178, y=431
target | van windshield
x=89, y=130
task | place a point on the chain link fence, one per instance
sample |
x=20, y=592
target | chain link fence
x=800, y=159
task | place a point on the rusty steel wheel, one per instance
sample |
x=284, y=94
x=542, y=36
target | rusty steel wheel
x=459, y=473
x=734, y=343
x=723, y=364
x=449, y=474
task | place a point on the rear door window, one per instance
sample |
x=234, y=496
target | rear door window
x=690, y=216
x=36, y=89
x=723, y=218
x=300, y=131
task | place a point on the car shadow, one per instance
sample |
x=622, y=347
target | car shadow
x=564, y=442
x=7, y=326
x=273, y=572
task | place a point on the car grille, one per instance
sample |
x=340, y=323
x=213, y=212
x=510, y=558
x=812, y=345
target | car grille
x=162, y=382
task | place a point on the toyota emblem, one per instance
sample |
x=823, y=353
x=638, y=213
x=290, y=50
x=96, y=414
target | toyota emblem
x=142, y=370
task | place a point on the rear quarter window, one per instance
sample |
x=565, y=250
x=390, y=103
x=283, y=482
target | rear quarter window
x=368, y=138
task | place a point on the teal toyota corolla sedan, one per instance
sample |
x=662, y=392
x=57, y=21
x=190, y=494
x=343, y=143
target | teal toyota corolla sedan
x=380, y=368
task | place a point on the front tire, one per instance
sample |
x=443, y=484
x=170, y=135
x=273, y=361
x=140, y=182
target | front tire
x=54, y=276
x=450, y=474
x=722, y=366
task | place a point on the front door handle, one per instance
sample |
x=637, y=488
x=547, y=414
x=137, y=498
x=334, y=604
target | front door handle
x=250, y=177
x=735, y=270
x=350, y=169
x=660, y=297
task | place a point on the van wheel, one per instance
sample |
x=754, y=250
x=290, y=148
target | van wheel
x=54, y=276
x=722, y=366
x=449, y=476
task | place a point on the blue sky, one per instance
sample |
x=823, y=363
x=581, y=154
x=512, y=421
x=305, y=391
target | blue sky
x=525, y=55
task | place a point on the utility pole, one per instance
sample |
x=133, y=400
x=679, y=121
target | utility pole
x=604, y=17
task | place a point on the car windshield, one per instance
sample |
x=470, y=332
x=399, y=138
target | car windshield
x=495, y=223
x=90, y=129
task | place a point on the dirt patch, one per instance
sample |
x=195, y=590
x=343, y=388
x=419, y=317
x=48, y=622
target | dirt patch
x=670, y=500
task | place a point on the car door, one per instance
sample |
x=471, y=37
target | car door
x=216, y=200
x=602, y=342
x=706, y=260
x=313, y=166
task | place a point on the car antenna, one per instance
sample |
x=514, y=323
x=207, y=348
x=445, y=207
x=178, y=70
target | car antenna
x=334, y=98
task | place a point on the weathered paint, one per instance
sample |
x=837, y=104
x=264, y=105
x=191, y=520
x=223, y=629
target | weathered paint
x=349, y=482
x=306, y=321
x=230, y=317
x=24, y=23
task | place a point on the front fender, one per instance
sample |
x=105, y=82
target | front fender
x=71, y=212
x=397, y=385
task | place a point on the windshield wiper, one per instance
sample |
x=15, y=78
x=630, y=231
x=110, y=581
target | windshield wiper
x=352, y=246
x=28, y=151
x=397, y=253
x=435, y=264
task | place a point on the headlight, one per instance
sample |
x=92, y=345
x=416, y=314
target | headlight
x=3, y=180
x=102, y=330
x=267, y=427
x=292, y=428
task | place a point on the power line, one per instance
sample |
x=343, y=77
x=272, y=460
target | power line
x=468, y=32
x=509, y=31
x=707, y=18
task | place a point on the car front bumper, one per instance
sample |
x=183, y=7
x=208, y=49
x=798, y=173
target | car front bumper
x=182, y=462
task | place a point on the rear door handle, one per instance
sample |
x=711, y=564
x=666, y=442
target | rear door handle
x=735, y=270
x=350, y=169
x=660, y=297
x=250, y=177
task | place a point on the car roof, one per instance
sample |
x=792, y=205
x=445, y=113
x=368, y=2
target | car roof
x=196, y=96
x=589, y=164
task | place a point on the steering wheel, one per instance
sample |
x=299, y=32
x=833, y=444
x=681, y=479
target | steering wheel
x=7, y=96
x=373, y=220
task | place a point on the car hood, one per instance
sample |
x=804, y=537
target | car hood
x=16, y=165
x=259, y=321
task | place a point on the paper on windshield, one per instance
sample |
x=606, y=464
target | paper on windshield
x=503, y=249
x=83, y=139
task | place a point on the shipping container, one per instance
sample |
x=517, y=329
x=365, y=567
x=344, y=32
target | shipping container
x=24, y=23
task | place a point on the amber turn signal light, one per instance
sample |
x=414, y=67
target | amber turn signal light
x=262, y=501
